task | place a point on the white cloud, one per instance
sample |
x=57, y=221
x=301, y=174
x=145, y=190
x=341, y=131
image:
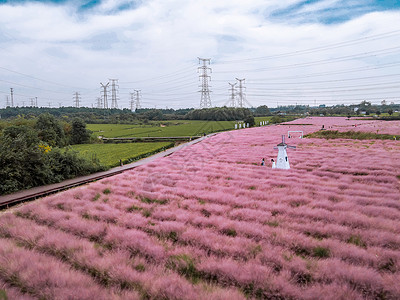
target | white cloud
x=162, y=40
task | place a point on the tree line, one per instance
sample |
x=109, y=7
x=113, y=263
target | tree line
x=31, y=152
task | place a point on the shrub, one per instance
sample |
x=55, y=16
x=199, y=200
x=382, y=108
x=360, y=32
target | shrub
x=321, y=252
x=184, y=265
x=356, y=240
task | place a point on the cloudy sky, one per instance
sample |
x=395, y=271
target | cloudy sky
x=289, y=51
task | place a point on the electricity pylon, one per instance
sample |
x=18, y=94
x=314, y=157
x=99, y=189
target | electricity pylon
x=233, y=94
x=105, y=102
x=132, y=101
x=99, y=103
x=205, y=100
x=114, y=91
x=137, y=100
x=241, y=95
x=12, y=97
x=77, y=99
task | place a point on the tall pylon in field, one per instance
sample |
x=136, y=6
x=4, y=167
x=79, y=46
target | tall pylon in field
x=105, y=101
x=77, y=99
x=99, y=102
x=233, y=94
x=12, y=97
x=132, y=101
x=205, y=100
x=114, y=93
x=241, y=94
x=137, y=100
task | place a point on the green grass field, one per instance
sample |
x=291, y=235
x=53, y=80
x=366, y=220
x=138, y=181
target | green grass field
x=110, y=154
x=165, y=128
x=162, y=128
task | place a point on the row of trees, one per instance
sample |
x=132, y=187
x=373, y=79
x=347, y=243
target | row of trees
x=219, y=114
x=31, y=153
x=54, y=132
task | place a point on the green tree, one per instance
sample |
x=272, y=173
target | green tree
x=250, y=120
x=22, y=160
x=262, y=110
x=390, y=112
x=27, y=162
x=79, y=133
x=50, y=130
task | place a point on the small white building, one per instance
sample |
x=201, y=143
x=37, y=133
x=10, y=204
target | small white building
x=282, y=161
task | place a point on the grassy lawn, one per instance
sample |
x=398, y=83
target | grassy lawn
x=110, y=154
x=356, y=135
x=162, y=128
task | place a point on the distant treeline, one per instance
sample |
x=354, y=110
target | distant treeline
x=363, y=108
x=219, y=114
x=88, y=115
x=125, y=116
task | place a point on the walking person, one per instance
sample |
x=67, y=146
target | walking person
x=273, y=163
x=263, y=162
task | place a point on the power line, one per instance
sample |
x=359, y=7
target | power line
x=317, y=49
x=323, y=61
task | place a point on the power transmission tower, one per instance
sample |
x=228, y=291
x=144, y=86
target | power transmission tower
x=36, y=103
x=77, y=99
x=241, y=95
x=205, y=100
x=12, y=97
x=114, y=92
x=138, y=106
x=7, y=101
x=132, y=101
x=99, y=103
x=33, y=102
x=233, y=94
x=105, y=102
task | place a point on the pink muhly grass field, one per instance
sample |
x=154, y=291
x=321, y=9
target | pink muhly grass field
x=209, y=222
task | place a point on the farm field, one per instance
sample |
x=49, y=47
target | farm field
x=208, y=222
x=172, y=128
x=110, y=154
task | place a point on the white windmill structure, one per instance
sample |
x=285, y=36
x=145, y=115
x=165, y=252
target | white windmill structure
x=282, y=162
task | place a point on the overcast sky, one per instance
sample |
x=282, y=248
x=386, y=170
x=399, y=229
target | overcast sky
x=289, y=51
